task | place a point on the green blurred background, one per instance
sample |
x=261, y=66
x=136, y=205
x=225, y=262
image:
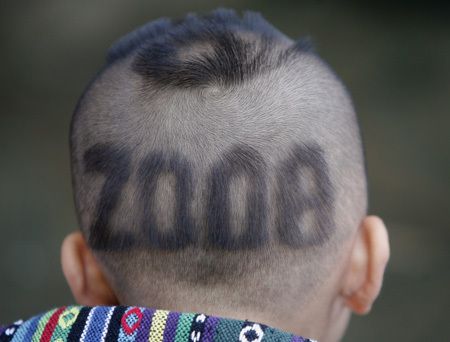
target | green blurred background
x=394, y=58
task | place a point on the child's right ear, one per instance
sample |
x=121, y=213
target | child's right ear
x=364, y=276
x=83, y=274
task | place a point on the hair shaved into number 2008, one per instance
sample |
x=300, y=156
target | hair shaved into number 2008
x=214, y=153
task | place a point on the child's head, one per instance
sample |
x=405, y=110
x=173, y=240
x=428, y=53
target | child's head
x=218, y=166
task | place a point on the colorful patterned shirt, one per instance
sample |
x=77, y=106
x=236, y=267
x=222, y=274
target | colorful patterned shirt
x=133, y=324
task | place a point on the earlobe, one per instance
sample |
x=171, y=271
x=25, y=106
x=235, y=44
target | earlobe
x=83, y=274
x=364, y=276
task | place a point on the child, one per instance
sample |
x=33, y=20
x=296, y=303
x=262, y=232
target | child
x=217, y=168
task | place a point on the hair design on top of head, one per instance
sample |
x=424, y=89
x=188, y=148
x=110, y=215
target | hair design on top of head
x=227, y=56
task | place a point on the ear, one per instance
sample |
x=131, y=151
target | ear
x=364, y=275
x=83, y=274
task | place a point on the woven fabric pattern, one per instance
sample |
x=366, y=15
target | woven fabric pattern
x=136, y=324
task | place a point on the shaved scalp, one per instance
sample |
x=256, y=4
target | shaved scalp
x=215, y=156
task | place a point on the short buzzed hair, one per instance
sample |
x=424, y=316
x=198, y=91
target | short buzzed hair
x=216, y=154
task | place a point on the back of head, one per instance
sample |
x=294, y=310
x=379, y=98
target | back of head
x=215, y=160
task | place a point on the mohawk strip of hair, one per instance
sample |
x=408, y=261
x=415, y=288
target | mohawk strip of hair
x=227, y=50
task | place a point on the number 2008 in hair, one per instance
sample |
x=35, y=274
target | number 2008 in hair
x=293, y=199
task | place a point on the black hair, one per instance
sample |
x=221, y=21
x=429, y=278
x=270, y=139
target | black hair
x=232, y=58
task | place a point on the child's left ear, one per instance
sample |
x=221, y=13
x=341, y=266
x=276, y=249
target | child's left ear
x=83, y=274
